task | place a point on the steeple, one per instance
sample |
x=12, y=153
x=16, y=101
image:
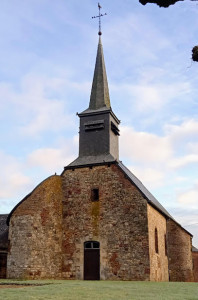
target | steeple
x=100, y=91
x=99, y=133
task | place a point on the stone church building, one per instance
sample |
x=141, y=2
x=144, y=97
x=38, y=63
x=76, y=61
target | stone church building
x=96, y=220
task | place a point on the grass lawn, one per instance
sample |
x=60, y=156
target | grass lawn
x=99, y=290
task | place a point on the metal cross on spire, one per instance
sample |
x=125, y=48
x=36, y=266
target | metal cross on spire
x=100, y=15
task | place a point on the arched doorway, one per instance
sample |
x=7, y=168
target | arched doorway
x=91, y=260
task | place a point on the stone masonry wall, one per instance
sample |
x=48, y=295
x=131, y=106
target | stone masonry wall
x=179, y=253
x=118, y=221
x=35, y=233
x=158, y=261
x=195, y=265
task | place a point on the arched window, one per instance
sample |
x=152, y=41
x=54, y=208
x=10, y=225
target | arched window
x=156, y=241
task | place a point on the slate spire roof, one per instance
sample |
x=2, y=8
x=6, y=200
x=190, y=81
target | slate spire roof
x=100, y=91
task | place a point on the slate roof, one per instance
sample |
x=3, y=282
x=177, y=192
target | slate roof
x=91, y=160
x=194, y=249
x=94, y=111
x=150, y=198
x=100, y=90
x=99, y=111
x=3, y=232
x=143, y=190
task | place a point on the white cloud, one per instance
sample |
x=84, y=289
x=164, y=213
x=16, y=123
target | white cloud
x=193, y=147
x=186, y=130
x=189, y=197
x=15, y=182
x=39, y=101
x=150, y=97
x=184, y=139
x=156, y=160
x=53, y=159
x=151, y=178
x=144, y=147
x=40, y=104
x=172, y=150
x=134, y=37
x=12, y=177
x=183, y=161
x=181, y=179
x=154, y=97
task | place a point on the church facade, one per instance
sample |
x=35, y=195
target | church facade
x=96, y=220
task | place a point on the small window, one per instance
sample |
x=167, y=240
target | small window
x=165, y=244
x=156, y=241
x=95, y=195
x=92, y=245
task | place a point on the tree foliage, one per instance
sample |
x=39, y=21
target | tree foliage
x=161, y=3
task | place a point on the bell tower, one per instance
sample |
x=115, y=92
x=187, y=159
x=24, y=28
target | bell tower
x=98, y=137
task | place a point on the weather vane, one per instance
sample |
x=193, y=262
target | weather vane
x=100, y=15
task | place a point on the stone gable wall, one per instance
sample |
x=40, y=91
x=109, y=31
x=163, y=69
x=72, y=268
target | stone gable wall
x=158, y=261
x=118, y=221
x=179, y=253
x=195, y=265
x=35, y=233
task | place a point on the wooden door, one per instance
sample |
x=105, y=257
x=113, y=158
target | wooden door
x=91, y=261
x=3, y=265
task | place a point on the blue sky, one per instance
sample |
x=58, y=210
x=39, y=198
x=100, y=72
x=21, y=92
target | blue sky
x=47, y=58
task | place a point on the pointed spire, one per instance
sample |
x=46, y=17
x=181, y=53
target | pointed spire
x=100, y=91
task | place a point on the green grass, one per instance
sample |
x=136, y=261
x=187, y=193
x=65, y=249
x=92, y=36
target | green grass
x=100, y=290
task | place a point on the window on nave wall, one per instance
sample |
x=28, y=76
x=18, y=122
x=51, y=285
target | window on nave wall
x=95, y=195
x=165, y=244
x=156, y=241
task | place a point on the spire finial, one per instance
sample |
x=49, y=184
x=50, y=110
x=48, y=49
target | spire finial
x=100, y=15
